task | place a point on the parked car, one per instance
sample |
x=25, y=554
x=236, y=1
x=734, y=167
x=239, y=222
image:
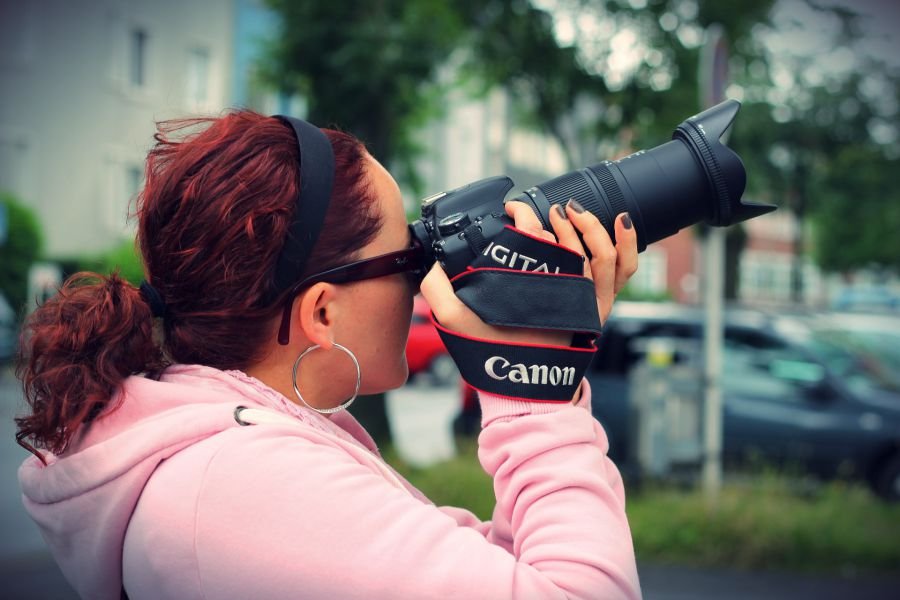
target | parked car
x=425, y=351
x=861, y=349
x=782, y=401
x=867, y=298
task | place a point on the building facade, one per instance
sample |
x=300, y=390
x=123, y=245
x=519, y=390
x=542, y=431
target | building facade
x=84, y=84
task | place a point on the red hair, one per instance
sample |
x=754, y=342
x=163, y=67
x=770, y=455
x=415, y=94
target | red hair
x=217, y=204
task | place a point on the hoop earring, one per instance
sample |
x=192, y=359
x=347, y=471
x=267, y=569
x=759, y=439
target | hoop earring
x=327, y=411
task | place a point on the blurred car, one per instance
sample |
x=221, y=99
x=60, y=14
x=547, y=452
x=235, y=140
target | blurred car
x=783, y=403
x=9, y=332
x=862, y=349
x=425, y=351
x=867, y=298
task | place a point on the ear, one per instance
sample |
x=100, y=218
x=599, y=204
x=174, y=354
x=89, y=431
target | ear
x=316, y=311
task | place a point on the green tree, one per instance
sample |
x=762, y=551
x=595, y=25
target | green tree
x=555, y=84
x=22, y=248
x=858, y=212
x=122, y=258
x=801, y=134
x=368, y=68
x=559, y=62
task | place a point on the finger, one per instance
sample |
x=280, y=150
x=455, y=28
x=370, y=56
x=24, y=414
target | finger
x=566, y=234
x=525, y=220
x=626, y=250
x=438, y=292
x=603, y=254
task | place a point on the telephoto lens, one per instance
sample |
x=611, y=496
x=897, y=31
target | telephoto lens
x=691, y=179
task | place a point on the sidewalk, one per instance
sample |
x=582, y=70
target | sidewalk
x=36, y=577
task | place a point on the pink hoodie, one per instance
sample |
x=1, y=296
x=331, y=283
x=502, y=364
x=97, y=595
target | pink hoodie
x=172, y=497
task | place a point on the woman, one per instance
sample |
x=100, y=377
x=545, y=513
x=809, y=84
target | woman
x=189, y=435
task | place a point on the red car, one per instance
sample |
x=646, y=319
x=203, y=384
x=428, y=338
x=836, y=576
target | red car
x=425, y=352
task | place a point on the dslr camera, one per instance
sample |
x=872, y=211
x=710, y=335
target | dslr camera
x=693, y=178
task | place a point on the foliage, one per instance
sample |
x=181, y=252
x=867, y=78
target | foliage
x=459, y=481
x=513, y=44
x=760, y=523
x=125, y=259
x=383, y=69
x=858, y=212
x=799, y=138
x=122, y=258
x=663, y=88
x=23, y=246
x=630, y=294
x=369, y=68
x=764, y=524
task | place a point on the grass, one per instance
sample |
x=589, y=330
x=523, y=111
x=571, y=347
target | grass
x=765, y=524
x=458, y=482
x=758, y=523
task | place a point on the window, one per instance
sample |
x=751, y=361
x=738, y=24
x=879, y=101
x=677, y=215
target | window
x=651, y=278
x=137, y=54
x=765, y=275
x=755, y=365
x=124, y=180
x=198, y=78
x=15, y=165
x=133, y=177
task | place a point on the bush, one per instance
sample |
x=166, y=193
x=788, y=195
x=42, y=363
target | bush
x=766, y=524
x=23, y=246
x=457, y=482
x=123, y=258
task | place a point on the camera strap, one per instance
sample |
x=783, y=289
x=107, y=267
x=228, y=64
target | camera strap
x=523, y=281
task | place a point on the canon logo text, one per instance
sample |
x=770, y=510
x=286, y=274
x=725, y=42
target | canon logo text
x=500, y=369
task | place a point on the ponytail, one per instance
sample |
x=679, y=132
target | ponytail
x=76, y=350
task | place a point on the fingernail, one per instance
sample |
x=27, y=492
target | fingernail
x=626, y=220
x=576, y=206
x=560, y=211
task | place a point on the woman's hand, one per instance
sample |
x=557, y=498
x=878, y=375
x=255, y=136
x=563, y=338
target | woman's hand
x=610, y=268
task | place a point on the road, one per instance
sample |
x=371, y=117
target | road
x=420, y=419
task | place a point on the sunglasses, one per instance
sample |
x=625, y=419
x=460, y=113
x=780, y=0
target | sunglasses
x=410, y=261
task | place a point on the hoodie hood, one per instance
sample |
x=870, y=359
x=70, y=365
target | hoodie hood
x=83, y=499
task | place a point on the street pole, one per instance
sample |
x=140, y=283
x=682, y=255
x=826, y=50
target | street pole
x=712, y=364
x=713, y=80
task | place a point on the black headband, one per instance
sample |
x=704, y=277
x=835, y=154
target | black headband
x=316, y=181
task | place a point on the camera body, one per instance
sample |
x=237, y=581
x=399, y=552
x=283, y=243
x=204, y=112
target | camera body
x=692, y=178
x=456, y=225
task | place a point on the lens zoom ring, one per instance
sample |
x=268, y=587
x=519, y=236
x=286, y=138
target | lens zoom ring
x=570, y=185
x=613, y=192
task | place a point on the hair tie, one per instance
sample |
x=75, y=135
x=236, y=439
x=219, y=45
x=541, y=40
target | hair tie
x=154, y=299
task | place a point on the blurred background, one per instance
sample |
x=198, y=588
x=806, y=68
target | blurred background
x=805, y=501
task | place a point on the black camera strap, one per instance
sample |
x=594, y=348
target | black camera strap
x=523, y=281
